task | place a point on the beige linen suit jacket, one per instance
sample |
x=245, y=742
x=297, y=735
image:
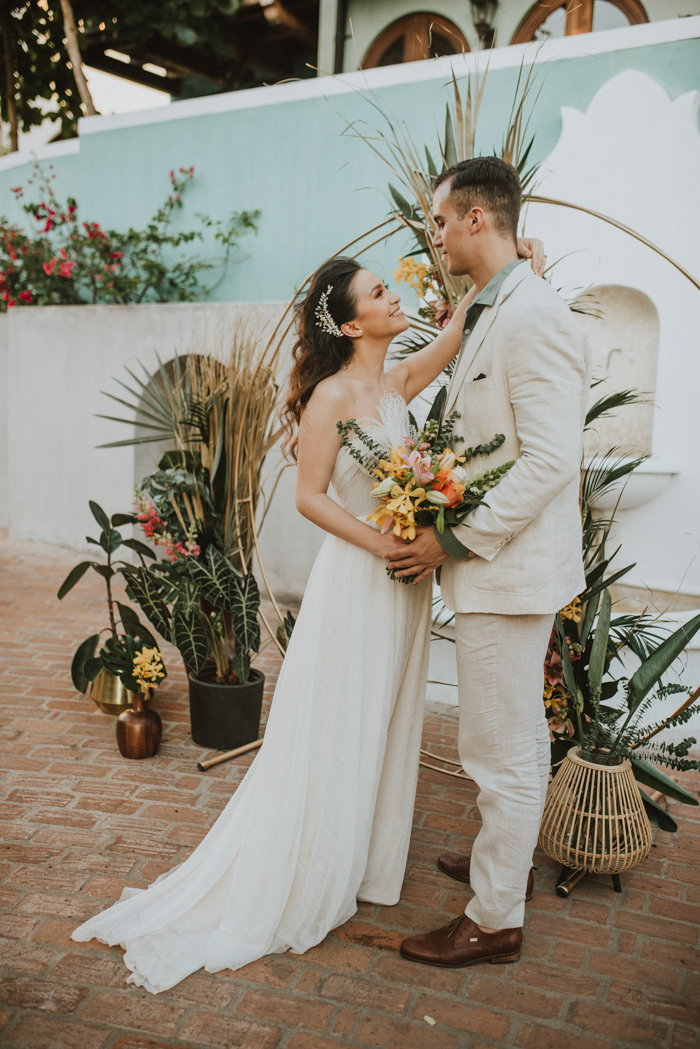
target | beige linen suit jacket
x=527, y=535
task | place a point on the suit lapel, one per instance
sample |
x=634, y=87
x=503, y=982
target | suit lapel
x=480, y=332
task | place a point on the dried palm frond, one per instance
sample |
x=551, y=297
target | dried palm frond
x=412, y=195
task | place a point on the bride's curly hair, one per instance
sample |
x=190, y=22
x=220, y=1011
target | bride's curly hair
x=318, y=353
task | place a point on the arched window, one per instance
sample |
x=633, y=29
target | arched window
x=549, y=19
x=415, y=37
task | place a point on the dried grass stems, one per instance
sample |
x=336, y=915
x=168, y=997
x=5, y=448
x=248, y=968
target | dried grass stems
x=393, y=144
x=231, y=400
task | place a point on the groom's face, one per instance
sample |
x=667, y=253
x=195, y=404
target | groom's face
x=452, y=234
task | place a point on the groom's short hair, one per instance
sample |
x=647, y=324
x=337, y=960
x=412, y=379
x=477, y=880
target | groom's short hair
x=488, y=183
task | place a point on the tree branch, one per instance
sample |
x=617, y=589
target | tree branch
x=10, y=79
x=76, y=59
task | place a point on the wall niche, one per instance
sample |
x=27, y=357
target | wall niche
x=624, y=340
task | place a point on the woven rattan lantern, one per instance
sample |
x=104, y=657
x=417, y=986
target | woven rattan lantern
x=594, y=818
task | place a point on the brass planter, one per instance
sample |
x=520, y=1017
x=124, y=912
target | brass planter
x=110, y=695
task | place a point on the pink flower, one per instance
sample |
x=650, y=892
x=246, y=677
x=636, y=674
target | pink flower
x=194, y=552
x=50, y=266
x=65, y=268
x=25, y=296
x=420, y=466
x=443, y=312
x=388, y=523
x=553, y=669
x=556, y=725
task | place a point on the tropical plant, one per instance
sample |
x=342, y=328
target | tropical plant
x=68, y=262
x=607, y=731
x=220, y=412
x=215, y=614
x=588, y=640
x=412, y=204
x=202, y=502
x=86, y=666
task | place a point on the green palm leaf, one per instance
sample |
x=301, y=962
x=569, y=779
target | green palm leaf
x=656, y=664
x=596, y=665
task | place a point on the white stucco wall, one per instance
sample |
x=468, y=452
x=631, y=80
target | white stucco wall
x=60, y=359
x=634, y=146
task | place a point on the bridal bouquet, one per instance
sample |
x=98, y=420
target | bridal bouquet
x=423, y=482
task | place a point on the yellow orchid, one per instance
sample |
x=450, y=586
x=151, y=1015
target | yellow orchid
x=572, y=611
x=148, y=668
x=416, y=274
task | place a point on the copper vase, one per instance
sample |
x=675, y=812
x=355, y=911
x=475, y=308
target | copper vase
x=139, y=731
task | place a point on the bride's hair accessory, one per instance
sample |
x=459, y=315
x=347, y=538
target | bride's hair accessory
x=323, y=315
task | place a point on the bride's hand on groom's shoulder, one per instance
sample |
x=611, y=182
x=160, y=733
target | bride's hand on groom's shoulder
x=533, y=249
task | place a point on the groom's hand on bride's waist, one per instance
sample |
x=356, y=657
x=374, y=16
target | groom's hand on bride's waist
x=418, y=558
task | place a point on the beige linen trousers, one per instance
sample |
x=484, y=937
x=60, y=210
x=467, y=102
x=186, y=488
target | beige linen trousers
x=527, y=535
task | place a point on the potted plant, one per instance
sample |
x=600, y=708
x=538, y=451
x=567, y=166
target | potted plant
x=88, y=671
x=214, y=625
x=595, y=817
x=203, y=506
x=583, y=707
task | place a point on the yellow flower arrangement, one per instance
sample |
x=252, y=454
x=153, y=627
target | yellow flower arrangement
x=148, y=668
x=413, y=481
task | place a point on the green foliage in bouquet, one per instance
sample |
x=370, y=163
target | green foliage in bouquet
x=423, y=484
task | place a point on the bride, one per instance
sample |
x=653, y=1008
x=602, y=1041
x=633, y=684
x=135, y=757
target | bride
x=323, y=816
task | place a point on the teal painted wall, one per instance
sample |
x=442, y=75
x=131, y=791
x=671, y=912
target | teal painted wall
x=315, y=188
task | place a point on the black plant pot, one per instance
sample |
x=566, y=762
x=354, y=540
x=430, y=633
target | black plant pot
x=226, y=716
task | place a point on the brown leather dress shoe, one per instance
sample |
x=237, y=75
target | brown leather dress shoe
x=457, y=867
x=462, y=943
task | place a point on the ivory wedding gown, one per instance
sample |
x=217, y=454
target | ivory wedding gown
x=323, y=815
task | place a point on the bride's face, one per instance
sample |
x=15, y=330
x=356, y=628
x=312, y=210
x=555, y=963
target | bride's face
x=379, y=314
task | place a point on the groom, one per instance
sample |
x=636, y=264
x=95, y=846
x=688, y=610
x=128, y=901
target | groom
x=523, y=371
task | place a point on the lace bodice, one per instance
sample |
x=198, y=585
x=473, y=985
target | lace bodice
x=352, y=482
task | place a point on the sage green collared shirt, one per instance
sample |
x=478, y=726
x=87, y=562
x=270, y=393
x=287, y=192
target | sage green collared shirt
x=486, y=297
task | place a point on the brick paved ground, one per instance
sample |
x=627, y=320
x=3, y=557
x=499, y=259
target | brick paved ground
x=80, y=822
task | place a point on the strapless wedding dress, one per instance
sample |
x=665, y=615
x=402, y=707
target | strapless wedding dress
x=323, y=816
